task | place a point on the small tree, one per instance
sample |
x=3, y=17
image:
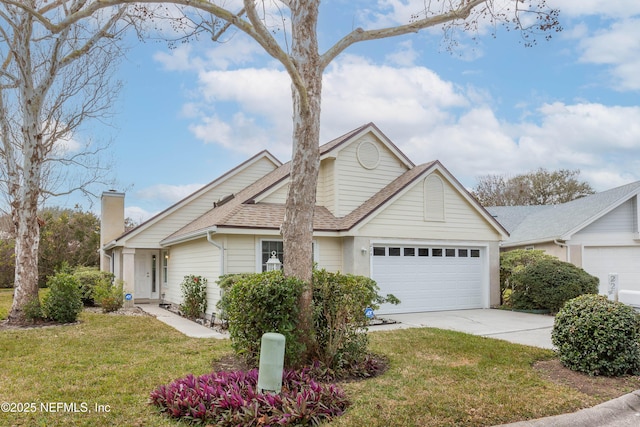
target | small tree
x=50, y=84
x=539, y=187
x=194, y=296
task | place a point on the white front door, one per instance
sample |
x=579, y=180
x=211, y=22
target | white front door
x=146, y=279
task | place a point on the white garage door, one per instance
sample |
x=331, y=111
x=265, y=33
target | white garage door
x=624, y=260
x=428, y=278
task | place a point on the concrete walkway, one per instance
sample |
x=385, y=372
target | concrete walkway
x=186, y=326
x=512, y=326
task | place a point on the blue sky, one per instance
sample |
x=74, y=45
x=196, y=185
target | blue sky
x=187, y=115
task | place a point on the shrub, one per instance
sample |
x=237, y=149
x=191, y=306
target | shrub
x=597, y=336
x=231, y=399
x=339, y=302
x=194, y=296
x=63, y=303
x=261, y=303
x=225, y=283
x=512, y=262
x=33, y=310
x=110, y=296
x=89, y=278
x=548, y=284
x=255, y=304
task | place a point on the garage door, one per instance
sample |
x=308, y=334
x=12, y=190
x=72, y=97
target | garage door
x=428, y=278
x=624, y=260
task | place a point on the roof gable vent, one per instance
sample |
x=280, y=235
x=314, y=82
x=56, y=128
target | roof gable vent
x=221, y=201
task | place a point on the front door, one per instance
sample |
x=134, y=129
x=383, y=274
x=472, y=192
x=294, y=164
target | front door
x=146, y=285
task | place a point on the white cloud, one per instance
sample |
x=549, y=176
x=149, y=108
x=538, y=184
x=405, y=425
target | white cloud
x=167, y=194
x=579, y=8
x=137, y=214
x=618, y=47
x=405, y=56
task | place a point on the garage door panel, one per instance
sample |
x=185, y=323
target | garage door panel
x=623, y=260
x=429, y=283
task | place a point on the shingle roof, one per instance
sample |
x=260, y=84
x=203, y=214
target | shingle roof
x=529, y=224
x=241, y=212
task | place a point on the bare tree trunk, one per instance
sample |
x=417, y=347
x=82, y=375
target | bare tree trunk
x=26, y=258
x=297, y=227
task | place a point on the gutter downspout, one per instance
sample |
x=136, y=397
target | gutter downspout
x=564, y=245
x=219, y=246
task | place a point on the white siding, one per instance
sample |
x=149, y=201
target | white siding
x=354, y=184
x=617, y=228
x=154, y=233
x=404, y=218
x=199, y=258
x=620, y=220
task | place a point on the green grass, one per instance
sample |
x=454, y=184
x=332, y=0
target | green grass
x=436, y=377
x=6, y=296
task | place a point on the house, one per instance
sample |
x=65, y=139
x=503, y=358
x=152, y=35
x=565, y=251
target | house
x=599, y=233
x=412, y=228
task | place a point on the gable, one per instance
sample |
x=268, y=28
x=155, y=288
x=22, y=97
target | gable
x=197, y=204
x=431, y=208
x=623, y=219
x=359, y=170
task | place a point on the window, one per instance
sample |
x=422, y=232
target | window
x=436, y=252
x=269, y=246
x=450, y=252
x=475, y=253
x=165, y=267
x=463, y=253
x=409, y=251
x=154, y=264
x=394, y=251
x=423, y=251
x=378, y=251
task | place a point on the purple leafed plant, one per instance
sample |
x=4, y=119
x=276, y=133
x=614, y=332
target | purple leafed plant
x=231, y=399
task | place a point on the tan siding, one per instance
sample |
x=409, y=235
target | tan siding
x=549, y=248
x=279, y=195
x=199, y=258
x=326, y=185
x=355, y=184
x=241, y=254
x=150, y=237
x=329, y=253
x=404, y=218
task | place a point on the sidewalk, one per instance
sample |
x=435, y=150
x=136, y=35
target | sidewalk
x=181, y=324
x=623, y=411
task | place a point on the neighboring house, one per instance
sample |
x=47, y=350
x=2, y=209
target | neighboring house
x=414, y=229
x=598, y=233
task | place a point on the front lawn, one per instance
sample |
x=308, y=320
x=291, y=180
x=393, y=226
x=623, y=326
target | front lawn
x=100, y=372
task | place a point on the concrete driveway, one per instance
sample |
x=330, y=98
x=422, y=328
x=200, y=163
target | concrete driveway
x=521, y=328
